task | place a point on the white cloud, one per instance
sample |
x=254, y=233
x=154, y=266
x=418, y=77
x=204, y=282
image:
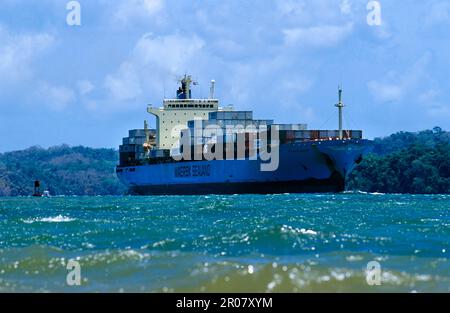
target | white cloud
x=152, y=6
x=297, y=85
x=316, y=12
x=317, y=36
x=429, y=99
x=55, y=97
x=152, y=59
x=291, y=7
x=346, y=7
x=386, y=92
x=428, y=96
x=383, y=31
x=17, y=53
x=290, y=92
x=131, y=9
x=395, y=87
x=85, y=87
x=125, y=85
x=172, y=53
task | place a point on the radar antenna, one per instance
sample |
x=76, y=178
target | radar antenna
x=186, y=82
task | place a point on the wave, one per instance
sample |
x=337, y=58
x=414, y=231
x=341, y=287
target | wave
x=55, y=219
x=140, y=270
x=359, y=192
x=303, y=231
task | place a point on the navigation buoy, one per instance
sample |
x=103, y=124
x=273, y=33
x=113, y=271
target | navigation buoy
x=37, y=187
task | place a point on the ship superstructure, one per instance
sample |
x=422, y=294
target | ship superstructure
x=200, y=148
x=175, y=114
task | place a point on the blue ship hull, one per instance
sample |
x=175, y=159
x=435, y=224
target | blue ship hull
x=309, y=167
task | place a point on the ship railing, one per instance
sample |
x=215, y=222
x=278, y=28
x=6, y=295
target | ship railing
x=189, y=101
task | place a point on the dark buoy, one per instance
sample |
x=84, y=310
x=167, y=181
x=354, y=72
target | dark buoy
x=37, y=187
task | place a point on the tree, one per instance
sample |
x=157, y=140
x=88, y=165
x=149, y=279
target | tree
x=406, y=163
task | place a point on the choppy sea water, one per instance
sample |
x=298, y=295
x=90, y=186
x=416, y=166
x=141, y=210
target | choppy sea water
x=276, y=243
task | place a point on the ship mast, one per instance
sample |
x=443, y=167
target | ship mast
x=147, y=133
x=340, y=105
x=212, y=89
x=186, y=82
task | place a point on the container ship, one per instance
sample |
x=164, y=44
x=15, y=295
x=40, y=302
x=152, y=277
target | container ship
x=200, y=148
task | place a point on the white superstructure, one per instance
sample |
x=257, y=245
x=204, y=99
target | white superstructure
x=173, y=117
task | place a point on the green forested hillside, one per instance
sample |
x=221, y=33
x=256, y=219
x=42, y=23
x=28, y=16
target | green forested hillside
x=63, y=170
x=429, y=139
x=416, y=163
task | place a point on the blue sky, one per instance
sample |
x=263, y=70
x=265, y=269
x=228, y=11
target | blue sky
x=283, y=59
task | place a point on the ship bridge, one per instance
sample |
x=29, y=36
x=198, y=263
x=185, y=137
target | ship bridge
x=174, y=115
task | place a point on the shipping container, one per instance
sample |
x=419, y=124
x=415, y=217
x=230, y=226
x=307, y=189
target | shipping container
x=323, y=134
x=315, y=134
x=139, y=148
x=263, y=122
x=137, y=133
x=231, y=115
x=356, y=134
x=334, y=134
x=160, y=153
x=140, y=156
x=128, y=148
x=140, y=141
x=302, y=134
x=213, y=116
x=286, y=127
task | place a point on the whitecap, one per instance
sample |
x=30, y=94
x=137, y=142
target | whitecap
x=354, y=258
x=340, y=276
x=308, y=232
x=303, y=231
x=357, y=192
x=55, y=219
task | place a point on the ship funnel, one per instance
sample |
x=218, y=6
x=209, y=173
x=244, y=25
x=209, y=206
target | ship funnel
x=212, y=89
